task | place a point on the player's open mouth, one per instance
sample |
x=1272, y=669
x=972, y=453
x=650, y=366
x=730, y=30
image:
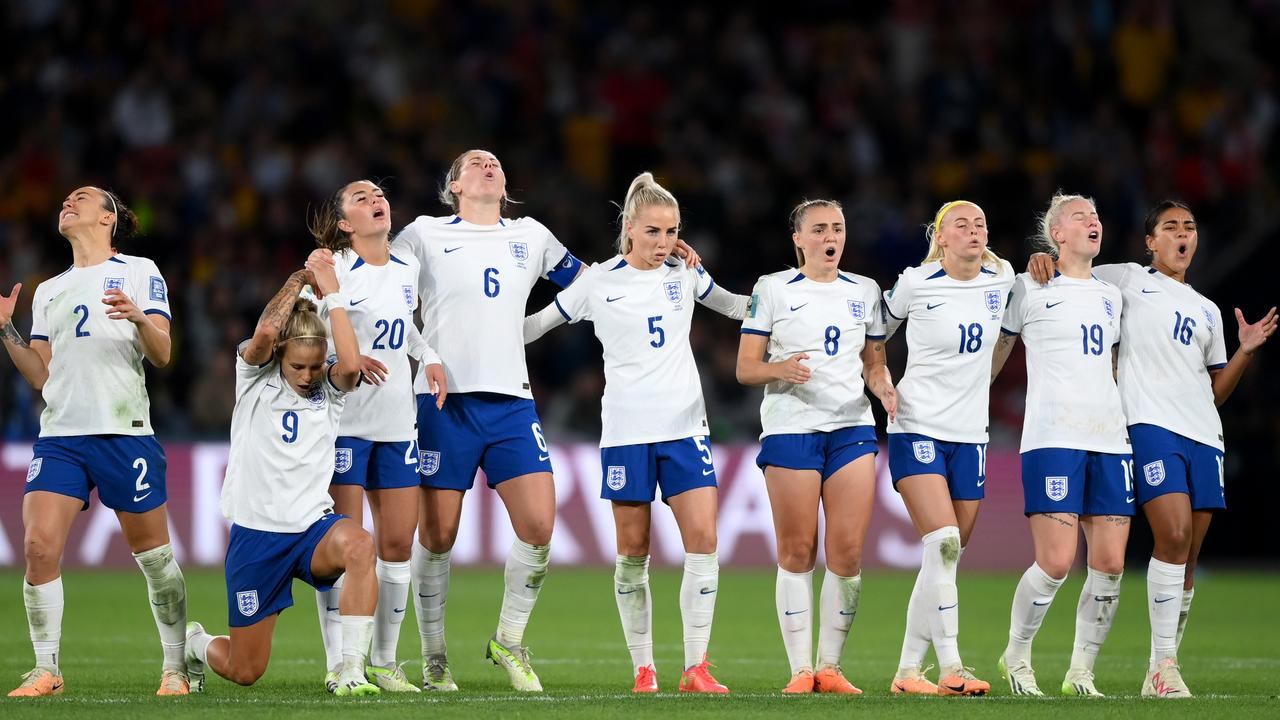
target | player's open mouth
x=831, y=252
x=379, y=213
x=1094, y=235
x=1182, y=249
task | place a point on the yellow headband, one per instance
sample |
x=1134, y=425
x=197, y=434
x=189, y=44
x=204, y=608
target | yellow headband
x=942, y=212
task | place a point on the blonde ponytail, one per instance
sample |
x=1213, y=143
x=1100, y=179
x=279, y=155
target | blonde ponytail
x=303, y=326
x=644, y=192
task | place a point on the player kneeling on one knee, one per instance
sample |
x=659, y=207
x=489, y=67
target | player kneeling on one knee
x=283, y=429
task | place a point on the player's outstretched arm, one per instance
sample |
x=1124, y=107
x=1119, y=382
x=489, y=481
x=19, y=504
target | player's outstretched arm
x=31, y=359
x=878, y=379
x=259, y=348
x=1252, y=337
x=728, y=304
x=542, y=322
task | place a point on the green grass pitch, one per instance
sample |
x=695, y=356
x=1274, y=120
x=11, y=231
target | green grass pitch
x=111, y=655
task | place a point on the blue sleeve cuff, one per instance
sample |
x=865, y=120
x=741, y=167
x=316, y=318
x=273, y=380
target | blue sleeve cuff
x=329, y=376
x=707, y=292
x=561, y=309
x=158, y=312
x=875, y=337
x=750, y=331
x=1218, y=366
x=40, y=337
x=1008, y=332
x=565, y=271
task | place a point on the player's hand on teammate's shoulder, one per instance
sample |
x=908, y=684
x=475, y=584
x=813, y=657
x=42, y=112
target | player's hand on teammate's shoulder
x=1041, y=266
x=686, y=252
x=1253, y=336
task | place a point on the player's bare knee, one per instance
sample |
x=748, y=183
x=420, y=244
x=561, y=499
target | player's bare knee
x=246, y=674
x=395, y=549
x=702, y=542
x=357, y=551
x=41, y=549
x=797, y=555
x=1056, y=566
x=537, y=533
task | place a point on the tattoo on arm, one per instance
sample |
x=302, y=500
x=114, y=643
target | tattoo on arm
x=278, y=309
x=11, y=336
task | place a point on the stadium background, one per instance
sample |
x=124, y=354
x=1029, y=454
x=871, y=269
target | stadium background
x=221, y=122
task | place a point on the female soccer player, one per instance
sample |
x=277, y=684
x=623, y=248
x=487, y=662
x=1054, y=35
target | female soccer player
x=1076, y=467
x=654, y=420
x=1173, y=417
x=477, y=268
x=86, y=359
x=283, y=430
x=377, y=449
x=938, y=442
x=819, y=440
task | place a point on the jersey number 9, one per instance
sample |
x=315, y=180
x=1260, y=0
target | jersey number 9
x=290, y=424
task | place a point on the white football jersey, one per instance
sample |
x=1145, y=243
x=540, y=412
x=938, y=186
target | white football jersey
x=380, y=305
x=831, y=322
x=952, y=331
x=282, y=449
x=1069, y=327
x=96, y=384
x=474, y=284
x=652, y=392
x=1172, y=336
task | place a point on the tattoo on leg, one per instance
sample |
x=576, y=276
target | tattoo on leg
x=1061, y=519
x=1117, y=519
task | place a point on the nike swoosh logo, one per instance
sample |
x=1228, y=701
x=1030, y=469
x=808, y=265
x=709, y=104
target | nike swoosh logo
x=954, y=688
x=792, y=612
x=329, y=609
x=428, y=596
x=532, y=587
x=273, y=387
x=1049, y=306
x=1148, y=292
x=140, y=498
x=1164, y=600
x=705, y=591
x=397, y=610
x=855, y=612
x=543, y=458
x=357, y=302
x=708, y=472
x=797, y=307
x=1041, y=604
x=1129, y=500
x=627, y=592
x=982, y=482
x=932, y=306
x=948, y=607
x=449, y=250
x=611, y=299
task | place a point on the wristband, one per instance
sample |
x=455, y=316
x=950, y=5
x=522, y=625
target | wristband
x=335, y=300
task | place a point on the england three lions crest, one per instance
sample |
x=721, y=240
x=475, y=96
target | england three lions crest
x=342, y=460
x=924, y=451
x=858, y=309
x=993, y=302
x=617, y=477
x=1109, y=308
x=1055, y=487
x=1153, y=473
x=408, y=295
x=519, y=250
x=674, y=290
x=428, y=462
x=247, y=602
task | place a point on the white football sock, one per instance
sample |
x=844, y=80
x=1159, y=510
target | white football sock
x=199, y=644
x=794, y=599
x=698, y=604
x=393, y=596
x=1186, y=610
x=431, y=586
x=1164, y=605
x=525, y=571
x=938, y=580
x=916, y=639
x=44, y=619
x=1030, y=603
x=631, y=590
x=331, y=624
x=167, y=591
x=1095, y=612
x=357, y=631
x=838, y=604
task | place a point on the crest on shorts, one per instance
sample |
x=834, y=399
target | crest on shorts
x=247, y=602
x=1111, y=309
x=428, y=462
x=1055, y=487
x=342, y=460
x=616, y=478
x=1153, y=472
x=1208, y=317
x=923, y=450
x=33, y=470
x=993, y=301
x=112, y=284
x=674, y=290
x=857, y=308
x=408, y=295
x=519, y=250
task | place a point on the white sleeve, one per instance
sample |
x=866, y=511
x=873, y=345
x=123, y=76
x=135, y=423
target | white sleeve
x=418, y=347
x=1012, y=322
x=558, y=264
x=153, y=290
x=897, y=304
x=714, y=297
x=246, y=370
x=1115, y=273
x=1216, y=353
x=541, y=322
x=876, y=323
x=574, y=302
x=759, y=317
x=39, y=323
x=410, y=241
